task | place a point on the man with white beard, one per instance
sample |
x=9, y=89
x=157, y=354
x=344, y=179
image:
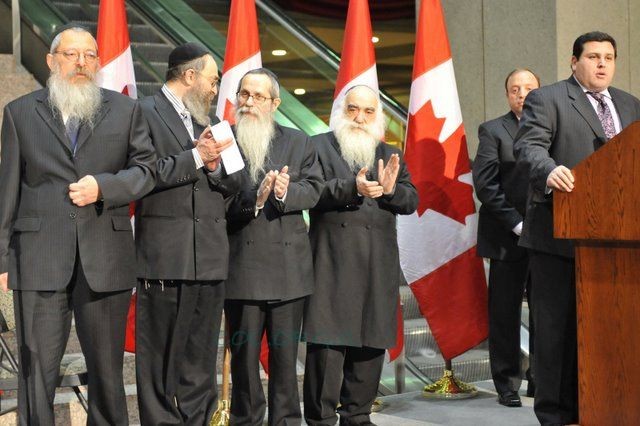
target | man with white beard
x=73, y=157
x=183, y=249
x=271, y=270
x=350, y=319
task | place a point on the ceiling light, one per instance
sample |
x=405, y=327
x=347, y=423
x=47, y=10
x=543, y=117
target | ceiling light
x=299, y=91
x=375, y=39
x=279, y=52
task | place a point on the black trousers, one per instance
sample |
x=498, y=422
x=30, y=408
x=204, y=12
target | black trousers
x=553, y=291
x=340, y=374
x=177, y=330
x=247, y=321
x=43, y=323
x=507, y=282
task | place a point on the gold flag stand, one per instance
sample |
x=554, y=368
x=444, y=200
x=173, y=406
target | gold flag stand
x=449, y=387
x=221, y=416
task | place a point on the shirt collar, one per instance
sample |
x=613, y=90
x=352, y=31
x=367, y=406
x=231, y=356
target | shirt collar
x=604, y=92
x=175, y=101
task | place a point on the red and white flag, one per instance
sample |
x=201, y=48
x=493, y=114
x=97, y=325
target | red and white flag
x=116, y=73
x=116, y=63
x=438, y=242
x=242, y=54
x=358, y=59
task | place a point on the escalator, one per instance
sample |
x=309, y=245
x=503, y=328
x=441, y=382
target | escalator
x=309, y=64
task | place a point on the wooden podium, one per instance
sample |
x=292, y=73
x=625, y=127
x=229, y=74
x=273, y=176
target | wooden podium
x=602, y=215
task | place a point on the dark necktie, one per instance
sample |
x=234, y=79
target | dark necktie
x=72, y=126
x=604, y=114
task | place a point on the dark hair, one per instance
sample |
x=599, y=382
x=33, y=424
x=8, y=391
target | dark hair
x=176, y=72
x=578, y=45
x=275, y=84
x=517, y=70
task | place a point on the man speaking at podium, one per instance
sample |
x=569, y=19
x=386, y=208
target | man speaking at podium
x=561, y=125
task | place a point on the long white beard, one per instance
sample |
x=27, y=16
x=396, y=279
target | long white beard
x=357, y=143
x=198, y=103
x=80, y=100
x=254, y=136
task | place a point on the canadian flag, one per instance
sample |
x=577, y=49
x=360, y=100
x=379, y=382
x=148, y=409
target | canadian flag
x=358, y=59
x=437, y=243
x=242, y=54
x=116, y=73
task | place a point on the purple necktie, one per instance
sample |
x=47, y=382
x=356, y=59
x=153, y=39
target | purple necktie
x=604, y=114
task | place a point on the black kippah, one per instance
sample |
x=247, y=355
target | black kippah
x=185, y=53
x=62, y=28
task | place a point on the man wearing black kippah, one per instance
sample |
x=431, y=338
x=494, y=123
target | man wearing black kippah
x=182, y=247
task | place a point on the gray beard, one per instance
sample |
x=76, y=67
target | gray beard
x=358, y=147
x=79, y=101
x=254, y=137
x=198, y=104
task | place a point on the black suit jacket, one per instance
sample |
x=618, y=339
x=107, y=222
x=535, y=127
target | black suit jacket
x=355, y=249
x=40, y=228
x=501, y=189
x=181, y=230
x=559, y=127
x=270, y=253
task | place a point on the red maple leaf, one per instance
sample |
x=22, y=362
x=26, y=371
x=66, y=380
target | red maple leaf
x=435, y=166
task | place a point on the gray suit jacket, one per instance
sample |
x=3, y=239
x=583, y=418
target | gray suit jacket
x=40, y=228
x=271, y=253
x=181, y=231
x=559, y=127
x=501, y=189
x=355, y=249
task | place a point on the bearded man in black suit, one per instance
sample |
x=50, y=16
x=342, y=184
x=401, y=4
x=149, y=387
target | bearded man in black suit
x=73, y=157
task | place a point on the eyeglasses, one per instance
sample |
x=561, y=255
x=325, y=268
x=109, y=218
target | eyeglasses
x=257, y=97
x=73, y=55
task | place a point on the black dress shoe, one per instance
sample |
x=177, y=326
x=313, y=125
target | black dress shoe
x=531, y=389
x=510, y=399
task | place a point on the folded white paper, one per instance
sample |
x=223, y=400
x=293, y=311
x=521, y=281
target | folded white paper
x=231, y=157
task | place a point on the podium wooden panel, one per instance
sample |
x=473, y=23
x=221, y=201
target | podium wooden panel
x=602, y=215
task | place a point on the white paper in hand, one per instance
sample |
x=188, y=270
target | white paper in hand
x=231, y=157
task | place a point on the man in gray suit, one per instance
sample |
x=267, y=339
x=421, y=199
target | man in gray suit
x=183, y=249
x=271, y=269
x=561, y=125
x=503, y=192
x=350, y=319
x=73, y=157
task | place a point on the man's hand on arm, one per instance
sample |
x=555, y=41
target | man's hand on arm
x=387, y=175
x=85, y=191
x=367, y=188
x=560, y=179
x=281, y=184
x=4, y=282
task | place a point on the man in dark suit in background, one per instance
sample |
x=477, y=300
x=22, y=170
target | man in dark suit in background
x=73, y=157
x=350, y=319
x=271, y=269
x=502, y=190
x=182, y=247
x=561, y=125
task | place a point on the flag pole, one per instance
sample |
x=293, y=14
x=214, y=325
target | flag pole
x=222, y=415
x=449, y=386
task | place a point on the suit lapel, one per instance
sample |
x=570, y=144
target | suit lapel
x=510, y=124
x=277, y=150
x=584, y=108
x=55, y=123
x=625, y=113
x=170, y=116
x=342, y=166
x=85, y=132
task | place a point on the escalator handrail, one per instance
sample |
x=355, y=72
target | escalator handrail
x=325, y=52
